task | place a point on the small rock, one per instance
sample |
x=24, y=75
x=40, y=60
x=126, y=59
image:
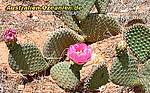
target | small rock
x=35, y=18
x=102, y=89
x=20, y=87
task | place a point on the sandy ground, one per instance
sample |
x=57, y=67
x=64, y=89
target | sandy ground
x=36, y=29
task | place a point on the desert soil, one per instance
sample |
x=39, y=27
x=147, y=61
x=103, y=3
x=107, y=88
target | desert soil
x=33, y=27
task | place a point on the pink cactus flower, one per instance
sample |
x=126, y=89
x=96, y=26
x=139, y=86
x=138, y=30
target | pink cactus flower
x=80, y=53
x=9, y=35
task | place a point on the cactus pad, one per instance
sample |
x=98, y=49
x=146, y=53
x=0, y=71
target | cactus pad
x=98, y=78
x=59, y=2
x=26, y=59
x=64, y=76
x=71, y=22
x=64, y=16
x=72, y=18
x=56, y=44
x=124, y=70
x=101, y=6
x=145, y=76
x=97, y=25
x=83, y=6
x=138, y=41
x=86, y=6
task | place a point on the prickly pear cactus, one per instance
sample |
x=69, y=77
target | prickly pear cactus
x=71, y=22
x=124, y=69
x=98, y=78
x=101, y=6
x=65, y=75
x=83, y=6
x=56, y=44
x=86, y=6
x=144, y=76
x=26, y=59
x=96, y=26
x=137, y=38
x=81, y=9
x=59, y=2
x=64, y=16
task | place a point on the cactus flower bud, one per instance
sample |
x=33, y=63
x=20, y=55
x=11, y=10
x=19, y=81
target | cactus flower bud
x=80, y=53
x=9, y=35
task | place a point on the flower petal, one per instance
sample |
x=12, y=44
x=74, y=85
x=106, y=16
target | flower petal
x=80, y=53
x=9, y=35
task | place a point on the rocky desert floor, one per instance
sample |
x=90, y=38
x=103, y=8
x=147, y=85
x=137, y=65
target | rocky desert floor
x=34, y=27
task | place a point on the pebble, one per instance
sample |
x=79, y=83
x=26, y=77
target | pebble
x=20, y=87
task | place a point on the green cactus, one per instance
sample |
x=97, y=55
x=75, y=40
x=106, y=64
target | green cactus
x=124, y=69
x=137, y=38
x=96, y=25
x=145, y=76
x=26, y=59
x=83, y=6
x=66, y=75
x=71, y=22
x=98, y=78
x=56, y=44
x=86, y=6
x=67, y=19
x=101, y=6
x=59, y=2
